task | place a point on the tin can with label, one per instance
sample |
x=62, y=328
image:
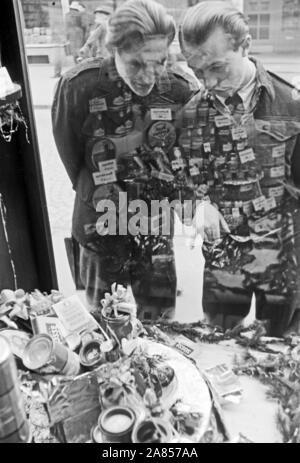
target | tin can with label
x=45, y=356
x=14, y=427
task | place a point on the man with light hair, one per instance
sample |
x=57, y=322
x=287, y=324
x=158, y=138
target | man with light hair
x=250, y=166
x=109, y=116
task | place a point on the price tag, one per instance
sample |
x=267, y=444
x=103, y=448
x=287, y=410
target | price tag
x=276, y=172
x=235, y=212
x=178, y=164
x=227, y=147
x=194, y=171
x=276, y=192
x=238, y=133
x=109, y=166
x=97, y=105
x=161, y=114
x=207, y=147
x=279, y=151
x=270, y=204
x=222, y=121
x=104, y=178
x=246, y=188
x=247, y=155
x=241, y=145
x=259, y=203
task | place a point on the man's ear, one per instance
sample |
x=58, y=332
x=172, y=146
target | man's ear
x=247, y=45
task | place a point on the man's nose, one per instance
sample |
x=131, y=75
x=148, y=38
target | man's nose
x=147, y=76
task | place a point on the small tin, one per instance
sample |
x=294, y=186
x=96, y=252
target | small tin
x=45, y=356
x=116, y=424
x=91, y=355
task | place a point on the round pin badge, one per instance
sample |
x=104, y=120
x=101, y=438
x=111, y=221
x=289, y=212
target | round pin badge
x=102, y=150
x=161, y=134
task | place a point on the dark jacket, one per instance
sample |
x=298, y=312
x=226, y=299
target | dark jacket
x=74, y=120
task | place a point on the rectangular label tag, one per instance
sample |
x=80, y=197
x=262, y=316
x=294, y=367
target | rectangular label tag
x=104, y=178
x=270, y=204
x=178, y=164
x=276, y=192
x=276, y=172
x=109, y=166
x=194, y=171
x=161, y=114
x=222, y=121
x=238, y=133
x=207, y=147
x=97, y=105
x=279, y=151
x=259, y=203
x=236, y=212
x=247, y=155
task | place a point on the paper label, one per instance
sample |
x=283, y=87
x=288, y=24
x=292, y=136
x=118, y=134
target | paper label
x=246, y=188
x=276, y=192
x=270, y=204
x=238, y=133
x=207, y=148
x=222, y=121
x=276, y=172
x=194, y=171
x=259, y=203
x=279, y=151
x=236, y=212
x=247, y=155
x=104, y=178
x=97, y=105
x=178, y=164
x=161, y=114
x=109, y=166
x=227, y=147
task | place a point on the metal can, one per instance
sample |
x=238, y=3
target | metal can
x=14, y=427
x=45, y=356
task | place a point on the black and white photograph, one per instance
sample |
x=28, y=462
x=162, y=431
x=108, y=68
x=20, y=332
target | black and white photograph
x=149, y=224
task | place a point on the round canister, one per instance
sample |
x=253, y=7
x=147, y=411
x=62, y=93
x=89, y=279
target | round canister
x=91, y=355
x=116, y=424
x=14, y=426
x=44, y=355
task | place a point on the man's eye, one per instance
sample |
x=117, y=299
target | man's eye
x=135, y=64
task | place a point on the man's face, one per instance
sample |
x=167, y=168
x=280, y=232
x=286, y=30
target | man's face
x=143, y=66
x=216, y=64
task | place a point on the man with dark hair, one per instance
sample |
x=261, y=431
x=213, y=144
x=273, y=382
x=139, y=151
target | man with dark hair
x=249, y=159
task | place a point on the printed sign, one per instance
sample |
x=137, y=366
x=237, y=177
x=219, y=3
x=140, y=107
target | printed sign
x=270, y=204
x=247, y=155
x=161, y=114
x=276, y=172
x=238, y=133
x=97, y=105
x=279, y=151
x=109, y=166
x=104, y=178
x=222, y=121
x=259, y=203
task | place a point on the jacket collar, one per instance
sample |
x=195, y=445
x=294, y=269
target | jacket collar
x=263, y=78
